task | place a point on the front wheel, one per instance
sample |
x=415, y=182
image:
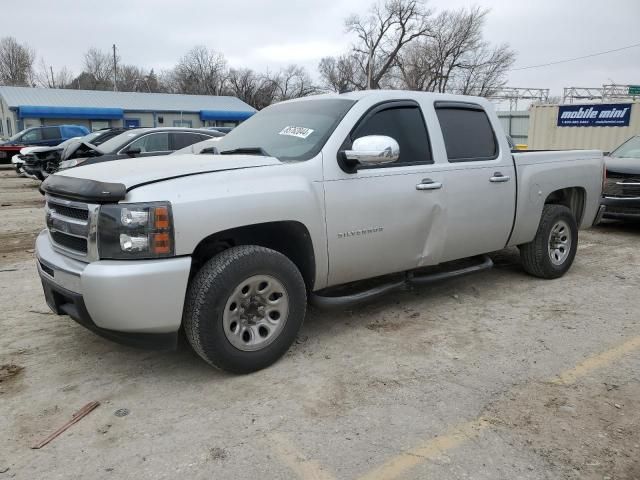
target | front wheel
x=551, y=252
x=244, y=308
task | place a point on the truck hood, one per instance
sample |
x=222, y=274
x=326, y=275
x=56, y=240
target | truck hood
x=625, y=166
x=109, y=181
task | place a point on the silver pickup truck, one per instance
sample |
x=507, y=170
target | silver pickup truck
x=298, y=204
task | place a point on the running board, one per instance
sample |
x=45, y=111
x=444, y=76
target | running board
x=486, y=264
x=345, y=301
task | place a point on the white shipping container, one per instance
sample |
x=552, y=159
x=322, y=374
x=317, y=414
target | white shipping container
x=545, y=134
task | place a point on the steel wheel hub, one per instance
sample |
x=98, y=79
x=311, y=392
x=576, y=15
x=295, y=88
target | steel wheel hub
x=559, y=242
x=255, y=312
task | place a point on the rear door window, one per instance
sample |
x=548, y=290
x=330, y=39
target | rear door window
x=406, y=126
x=184, y=139
x=154, y=142
x=50, y=133
x=467, y=132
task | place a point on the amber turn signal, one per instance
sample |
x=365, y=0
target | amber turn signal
x=161, y=217
x=160, y=243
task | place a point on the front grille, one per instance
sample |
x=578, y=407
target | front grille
x=618, y=185
x=67, y=241
x=70, y=224
x=71, y=212
x=623, y=210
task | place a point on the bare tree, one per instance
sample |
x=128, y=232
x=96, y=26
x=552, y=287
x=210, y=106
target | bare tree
x=262, y=89
x=245, y=84
x=199, y=71
x=47, y=77
x=403, y=45
x=341, y=74
x=98, y=70
x=134, y=79
x=16, y=63
x=486, y=71
x=293, y=82
x=153, y=83
x=383, y=34
x=454, y=57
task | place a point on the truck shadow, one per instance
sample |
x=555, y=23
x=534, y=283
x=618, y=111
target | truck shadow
x=400, y=310
x=631, y=227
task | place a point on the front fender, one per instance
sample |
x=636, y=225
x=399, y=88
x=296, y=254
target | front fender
x=213, y=202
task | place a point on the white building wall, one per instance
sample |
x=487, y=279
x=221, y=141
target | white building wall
x=169, y=119
x=6, y=115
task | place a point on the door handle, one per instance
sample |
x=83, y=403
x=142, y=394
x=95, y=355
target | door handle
x=498, y=177
x=428, y=184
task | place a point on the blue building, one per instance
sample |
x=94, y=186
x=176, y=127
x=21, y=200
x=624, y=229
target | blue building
x=23, y=107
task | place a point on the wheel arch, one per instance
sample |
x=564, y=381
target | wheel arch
x=289, y=237
x=574, y=198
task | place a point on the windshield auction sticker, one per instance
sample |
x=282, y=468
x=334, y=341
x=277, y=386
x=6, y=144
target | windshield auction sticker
x=300, y=132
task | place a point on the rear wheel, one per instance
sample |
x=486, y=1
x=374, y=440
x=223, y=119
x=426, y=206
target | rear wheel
x=244, y=308
x=551, y=253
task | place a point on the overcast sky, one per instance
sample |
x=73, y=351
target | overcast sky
x=269, y=34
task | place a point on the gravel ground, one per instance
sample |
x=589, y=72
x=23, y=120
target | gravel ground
x=497, y=375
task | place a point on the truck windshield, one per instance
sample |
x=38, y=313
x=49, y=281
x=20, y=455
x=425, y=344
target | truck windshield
x=629, y=149
x=287, y=131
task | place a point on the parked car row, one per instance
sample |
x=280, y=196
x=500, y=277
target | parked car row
x=137, y=142
x=40, y=162
x=106, y=145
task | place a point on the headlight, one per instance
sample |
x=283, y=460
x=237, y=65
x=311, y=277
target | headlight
x=135, y=231
x=71, y=163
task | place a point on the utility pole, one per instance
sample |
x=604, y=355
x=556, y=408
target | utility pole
x=369, y=68
x=115, y=69
x=53, y=80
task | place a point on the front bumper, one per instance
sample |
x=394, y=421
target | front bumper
x=621, y=208
x=18, y=163
x=138, y=303
x=31, y=170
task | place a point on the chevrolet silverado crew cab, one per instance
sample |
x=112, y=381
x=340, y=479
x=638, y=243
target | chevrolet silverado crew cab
x=298, y=204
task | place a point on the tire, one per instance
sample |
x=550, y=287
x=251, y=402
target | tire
x=539, y=257
x=218, y=314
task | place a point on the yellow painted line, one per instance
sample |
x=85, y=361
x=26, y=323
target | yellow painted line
x=596, y=362
x=430, y=450
x=290, y=456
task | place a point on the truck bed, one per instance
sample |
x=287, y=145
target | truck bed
x=542, y=172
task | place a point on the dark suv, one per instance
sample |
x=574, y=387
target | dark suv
x=137, y=142
x=39, y=137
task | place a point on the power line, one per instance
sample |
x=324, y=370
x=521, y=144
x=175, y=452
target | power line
x=576, y=58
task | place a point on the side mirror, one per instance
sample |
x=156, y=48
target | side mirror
x=132, y=152
x=373, y=150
